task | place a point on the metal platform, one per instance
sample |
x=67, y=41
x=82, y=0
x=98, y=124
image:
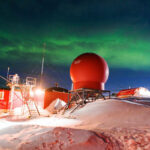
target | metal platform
x=82, y=96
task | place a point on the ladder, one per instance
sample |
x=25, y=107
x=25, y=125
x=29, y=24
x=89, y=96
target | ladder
x=30, y=103
x=32, y=108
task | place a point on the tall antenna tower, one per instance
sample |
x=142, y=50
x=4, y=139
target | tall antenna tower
x=8, y=72
x=42, y=66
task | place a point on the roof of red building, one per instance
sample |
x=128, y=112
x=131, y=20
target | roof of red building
x=127, y=92
x=58, y=89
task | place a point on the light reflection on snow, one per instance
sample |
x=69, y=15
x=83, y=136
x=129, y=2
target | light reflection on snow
x=53, y=121
x=43, y=121
x=4, y=124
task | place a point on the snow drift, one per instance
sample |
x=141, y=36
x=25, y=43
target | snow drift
x=54, y=138
x=113, y=113
x=103, y=124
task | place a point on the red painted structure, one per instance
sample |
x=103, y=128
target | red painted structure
x=133, y=92
x=4, y=98
x=126, y=93
x=89, y=71
x=44, y=99
x=54, y=93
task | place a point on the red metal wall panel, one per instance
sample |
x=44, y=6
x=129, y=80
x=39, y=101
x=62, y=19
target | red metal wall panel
x=4, y=103
x=51, y=96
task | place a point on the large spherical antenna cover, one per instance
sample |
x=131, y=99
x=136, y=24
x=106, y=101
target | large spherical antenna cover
x=89, y=70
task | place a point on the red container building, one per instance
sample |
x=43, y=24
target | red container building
x=4, y=98
x=54, y=93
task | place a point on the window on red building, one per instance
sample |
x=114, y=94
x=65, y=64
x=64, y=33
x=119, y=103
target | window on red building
x=1, y=95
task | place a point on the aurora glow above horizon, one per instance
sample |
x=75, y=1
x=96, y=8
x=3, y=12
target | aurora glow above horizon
x=118, y=31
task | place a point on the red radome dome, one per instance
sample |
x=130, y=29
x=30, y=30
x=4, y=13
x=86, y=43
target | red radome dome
x=89, y=71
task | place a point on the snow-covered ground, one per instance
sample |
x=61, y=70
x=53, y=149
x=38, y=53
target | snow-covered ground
x=114, y=113
x=109, y=124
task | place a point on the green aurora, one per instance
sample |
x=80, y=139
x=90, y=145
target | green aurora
x=118, y=31
x=120, y=50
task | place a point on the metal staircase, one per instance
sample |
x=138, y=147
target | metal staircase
x=27, y=99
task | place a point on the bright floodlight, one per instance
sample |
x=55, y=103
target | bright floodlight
x=39, y=91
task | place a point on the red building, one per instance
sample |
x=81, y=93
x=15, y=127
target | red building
x=54, y=93
x=43, y=99
x=4, y=98
x=134, y=92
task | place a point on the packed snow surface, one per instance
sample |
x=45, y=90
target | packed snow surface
x=114, y=113
x=109, y=124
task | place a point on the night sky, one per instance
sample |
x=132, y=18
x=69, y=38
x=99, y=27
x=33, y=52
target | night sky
x=117, y=30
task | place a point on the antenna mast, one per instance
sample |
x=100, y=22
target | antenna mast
x=42, y=67
x=8, y=72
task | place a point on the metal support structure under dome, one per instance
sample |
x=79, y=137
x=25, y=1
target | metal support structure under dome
x=82, y=96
